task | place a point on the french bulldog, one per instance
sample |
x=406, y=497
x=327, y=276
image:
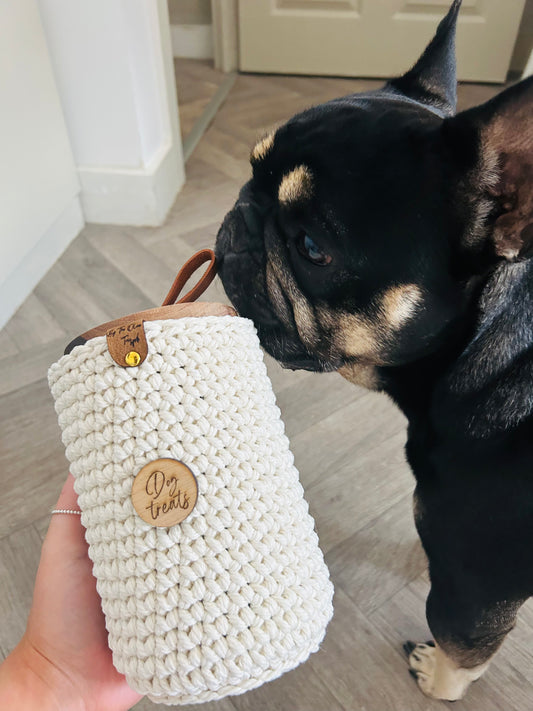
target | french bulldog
x=389, y=238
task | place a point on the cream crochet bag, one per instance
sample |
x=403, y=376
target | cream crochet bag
x=204, y=552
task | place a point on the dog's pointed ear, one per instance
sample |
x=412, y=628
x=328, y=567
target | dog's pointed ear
x=493, y=144
x=433, y=79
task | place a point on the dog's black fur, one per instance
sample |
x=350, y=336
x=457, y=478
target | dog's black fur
x=401, y=191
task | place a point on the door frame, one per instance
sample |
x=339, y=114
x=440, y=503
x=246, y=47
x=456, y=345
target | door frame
x=225, y=15
x=528, y=71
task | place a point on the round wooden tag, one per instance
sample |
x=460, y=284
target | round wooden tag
x=164, y=492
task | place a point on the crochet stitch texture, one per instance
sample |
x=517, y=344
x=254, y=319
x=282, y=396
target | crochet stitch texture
x=236, y=594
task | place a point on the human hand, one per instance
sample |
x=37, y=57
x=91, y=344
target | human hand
x=63, y=660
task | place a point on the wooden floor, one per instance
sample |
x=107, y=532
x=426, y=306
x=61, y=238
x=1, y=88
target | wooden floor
x=197, y=82
x=347, y=442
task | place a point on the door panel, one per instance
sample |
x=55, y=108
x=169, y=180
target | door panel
x=373, y=38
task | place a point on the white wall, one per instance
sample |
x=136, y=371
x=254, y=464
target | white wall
x=112, y=61
x=39, y=208
x=191, y=28
x=189, y=12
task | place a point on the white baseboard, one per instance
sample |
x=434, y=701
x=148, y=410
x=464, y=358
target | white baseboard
x=192, y=41
x=25, y=277
x=132, y=196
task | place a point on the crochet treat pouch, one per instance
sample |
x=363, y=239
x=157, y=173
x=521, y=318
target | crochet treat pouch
x=205, y=555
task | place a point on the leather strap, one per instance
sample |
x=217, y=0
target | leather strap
x=185, y=273
x=162, y=313
x=170, y=309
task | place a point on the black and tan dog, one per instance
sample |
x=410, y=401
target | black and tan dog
x=385, y=237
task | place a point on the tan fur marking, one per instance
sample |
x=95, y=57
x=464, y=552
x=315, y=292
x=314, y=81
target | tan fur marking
x=296, y=185
x=304, y=318
x=359, y=337
x=360, y=374
x=262, y=148
x=399, y=304
x=275, y=294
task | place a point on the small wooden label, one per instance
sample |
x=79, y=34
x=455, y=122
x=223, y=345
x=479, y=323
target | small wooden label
x=127, y=343
x=164, y=492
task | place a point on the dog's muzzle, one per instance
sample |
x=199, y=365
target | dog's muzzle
x=242, y=259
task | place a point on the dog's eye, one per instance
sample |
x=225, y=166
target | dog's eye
x=311, y=251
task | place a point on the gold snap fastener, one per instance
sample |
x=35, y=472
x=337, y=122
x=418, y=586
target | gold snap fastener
x=132, y=358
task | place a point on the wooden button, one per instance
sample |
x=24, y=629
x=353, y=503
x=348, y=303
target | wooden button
x=164, y=492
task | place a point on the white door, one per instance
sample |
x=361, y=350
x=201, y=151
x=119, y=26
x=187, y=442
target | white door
x=373, y=38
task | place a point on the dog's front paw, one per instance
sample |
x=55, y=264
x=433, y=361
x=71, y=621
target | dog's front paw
x=422, y=665
x=436, y=674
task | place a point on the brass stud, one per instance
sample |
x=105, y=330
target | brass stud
x=132, y=358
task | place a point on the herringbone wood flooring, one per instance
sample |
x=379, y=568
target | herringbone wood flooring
x=197, y=83
x=347, y=442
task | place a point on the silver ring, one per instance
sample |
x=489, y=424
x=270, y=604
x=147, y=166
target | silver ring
x=67, y=511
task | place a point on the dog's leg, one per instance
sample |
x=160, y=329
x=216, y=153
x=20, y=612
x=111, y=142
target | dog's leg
x=467, y=635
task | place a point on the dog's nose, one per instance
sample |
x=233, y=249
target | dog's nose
x=240, y=233
x=243, y=227
x=227, y=236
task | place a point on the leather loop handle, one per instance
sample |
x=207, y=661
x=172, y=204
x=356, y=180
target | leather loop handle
x=185, y=273
x=169, y=309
